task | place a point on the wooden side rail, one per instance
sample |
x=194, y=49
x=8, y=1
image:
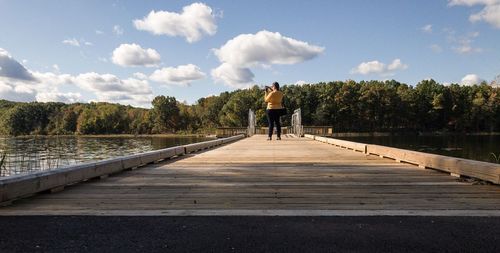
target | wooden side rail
x=356, y=146
x=455, y=166
x=19, y=186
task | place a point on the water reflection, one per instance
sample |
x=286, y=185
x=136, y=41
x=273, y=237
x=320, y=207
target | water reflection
x=30, y=154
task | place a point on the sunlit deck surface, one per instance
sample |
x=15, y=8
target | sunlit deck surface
x=294, y=176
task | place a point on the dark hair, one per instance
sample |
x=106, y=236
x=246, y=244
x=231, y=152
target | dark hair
x=277, y=85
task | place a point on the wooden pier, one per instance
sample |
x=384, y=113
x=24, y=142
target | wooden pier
x=253, y=176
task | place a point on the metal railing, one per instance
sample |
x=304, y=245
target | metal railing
x=297, y=127
x=251, y=123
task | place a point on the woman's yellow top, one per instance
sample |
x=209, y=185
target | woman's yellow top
x=273, y=99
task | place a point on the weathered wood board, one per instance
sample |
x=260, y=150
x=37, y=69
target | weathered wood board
x=294, y=176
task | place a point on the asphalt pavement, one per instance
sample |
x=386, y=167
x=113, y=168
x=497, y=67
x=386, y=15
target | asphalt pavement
x=248, y=234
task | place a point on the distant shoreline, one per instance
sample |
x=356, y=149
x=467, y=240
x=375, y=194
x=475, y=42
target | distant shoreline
x=343, y=134
x=108, y=135
x=372, y=134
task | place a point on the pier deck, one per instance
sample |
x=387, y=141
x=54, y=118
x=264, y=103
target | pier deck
x=294, y=176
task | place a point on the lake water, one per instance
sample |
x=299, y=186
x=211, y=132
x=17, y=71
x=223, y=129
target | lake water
x=30, y=154
x=475, y=147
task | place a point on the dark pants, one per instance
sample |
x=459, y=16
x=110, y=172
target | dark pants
x=273, y=118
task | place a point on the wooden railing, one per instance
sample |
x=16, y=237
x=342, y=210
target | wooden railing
x=15, y=187
x=455, y=166
x=265, y=130
x=318, y=130
x=223, y=132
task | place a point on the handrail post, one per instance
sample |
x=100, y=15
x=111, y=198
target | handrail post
x=251, y=123
x=297, y=127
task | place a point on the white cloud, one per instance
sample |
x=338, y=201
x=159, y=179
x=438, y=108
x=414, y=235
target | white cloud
x=462, y=44
x=262, y=49
x=77, y=43
x=56, y=68
x=233, y=76
x=181, y=75
x=193, y=22
x=69, y=97
x=377, y=67
x=366, y=68
x=472, y=2
x=72, y=42
x=427, y=28
x=14, y=90
x=396, y=64
x=10, y=68
x=19, y=84
x=466, y=48
x=110, y=88
x=127, y=55
x=99, y=32
x=300, y=82
x=489, y=14
x=117, y=30
x=471, y=79
x=110, y=83
x=53, y=79
x=140, y=76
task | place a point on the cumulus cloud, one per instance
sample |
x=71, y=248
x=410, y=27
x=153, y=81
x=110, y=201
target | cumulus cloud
x=140, y=76
x=128, y=55
x=471, y=79
x=180, y=75
x=193, y=22
x=396, y=64
x=72, y=42
x=29, y=89
x=10, y=68
x=427, y=28
x=69, y=97
x=300, y=82
x=233, y=76
x=366, y=68
x=95, y=82
x=489, y=14
x=20, y=84
x=110, y=88
x=262, y=49
x=377, y=67
x=265, y=47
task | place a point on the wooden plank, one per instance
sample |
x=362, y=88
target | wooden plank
x=293, y=176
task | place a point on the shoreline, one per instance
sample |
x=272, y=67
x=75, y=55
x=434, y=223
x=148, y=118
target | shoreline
x=109, y=135
x=376, y=134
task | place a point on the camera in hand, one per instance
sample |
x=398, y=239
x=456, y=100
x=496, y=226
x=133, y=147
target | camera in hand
x=267, y=88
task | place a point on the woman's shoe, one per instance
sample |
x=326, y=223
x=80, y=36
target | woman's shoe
x=279, y=138
x=268, y=138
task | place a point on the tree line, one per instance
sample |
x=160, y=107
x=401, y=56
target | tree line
x=348, y=106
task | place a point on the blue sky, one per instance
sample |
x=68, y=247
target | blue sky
x=121, y=51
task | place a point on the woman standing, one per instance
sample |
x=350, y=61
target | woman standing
x=273, y=97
